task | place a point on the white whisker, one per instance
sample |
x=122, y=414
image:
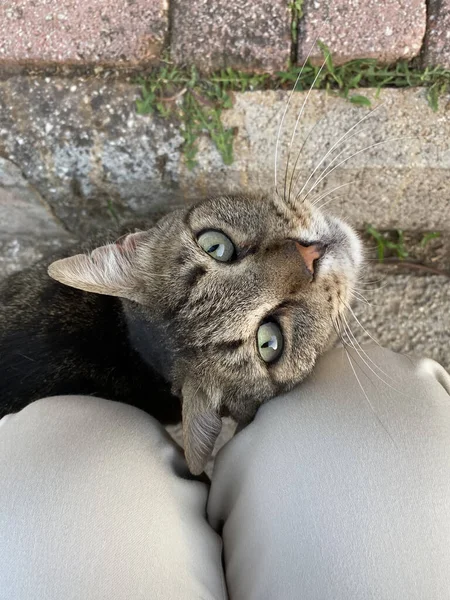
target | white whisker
x=325, y=173
x=363, y=328
x=285, y=112
x=351, y=336
x=341, y=139
x=367, y=398
x=370, y=368
x=330, y=192
x=358, y=296
x=372, y=285
x=299, y=153
x=299, y=116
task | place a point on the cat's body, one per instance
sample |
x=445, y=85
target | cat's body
x=58, y=340
x=223, y=305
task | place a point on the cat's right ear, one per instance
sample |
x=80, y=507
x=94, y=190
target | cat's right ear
x=109, y=269
x=201, y=426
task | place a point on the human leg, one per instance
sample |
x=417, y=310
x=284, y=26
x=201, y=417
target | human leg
x=332, y=495
x=96, y=502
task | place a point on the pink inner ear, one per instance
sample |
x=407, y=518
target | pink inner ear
x=129, y=241
x=126, y=242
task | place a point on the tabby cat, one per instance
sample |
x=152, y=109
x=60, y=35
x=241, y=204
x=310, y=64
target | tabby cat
x=221, y=306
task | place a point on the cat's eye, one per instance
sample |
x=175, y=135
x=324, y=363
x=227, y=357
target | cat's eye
x=217, y=245
x=270, y=341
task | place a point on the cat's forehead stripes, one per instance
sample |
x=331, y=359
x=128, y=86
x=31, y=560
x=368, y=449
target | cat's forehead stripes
x=247, y=221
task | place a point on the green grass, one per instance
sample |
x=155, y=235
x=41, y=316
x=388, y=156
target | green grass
x=427, y=237
x=112, y=211
x=385, y=242
x=196, y=102
x=296, y=8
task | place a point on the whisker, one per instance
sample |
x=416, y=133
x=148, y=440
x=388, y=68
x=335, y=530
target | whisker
x=367, y=398
x=358, y=299
x=352, y=340
x=363, y=328
x=298, y=158
x=330, y=192
x=372, y=285
x=285, y=112
x=325, y=173
x=351, y=335
x=341, y=139
x=370, y=248
x=330, y=200
x=370, y=368
x=358, y=296
x=299, y=116
x=375, y=260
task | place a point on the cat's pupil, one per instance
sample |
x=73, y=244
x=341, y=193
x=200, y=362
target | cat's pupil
x=272, y=343
x=219, y=249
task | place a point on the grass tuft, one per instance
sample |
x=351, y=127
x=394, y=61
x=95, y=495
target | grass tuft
x=296, y=8
x=197, y=101
x=388, y=240
x=427, y=237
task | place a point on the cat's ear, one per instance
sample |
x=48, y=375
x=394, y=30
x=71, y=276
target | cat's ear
x=107, y=270
x=201, y=427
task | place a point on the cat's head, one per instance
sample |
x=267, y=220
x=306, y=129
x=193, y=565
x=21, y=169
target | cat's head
x=244, y=294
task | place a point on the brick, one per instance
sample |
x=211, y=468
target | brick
x=437, y=39
x=231, y=33
x=388, y=31
x=110, y=32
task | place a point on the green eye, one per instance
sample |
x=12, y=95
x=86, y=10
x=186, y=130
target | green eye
x=217, y=245
x=270, y=341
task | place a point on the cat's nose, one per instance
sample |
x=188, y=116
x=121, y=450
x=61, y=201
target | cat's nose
x=310, y=253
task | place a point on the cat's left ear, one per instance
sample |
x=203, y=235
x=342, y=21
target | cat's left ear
x=201, y=427
x=107, y=270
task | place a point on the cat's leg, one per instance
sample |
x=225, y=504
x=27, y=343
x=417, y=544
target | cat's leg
x=333, y=493
x=96, y=502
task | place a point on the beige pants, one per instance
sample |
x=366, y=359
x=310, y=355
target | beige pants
x=322, y=497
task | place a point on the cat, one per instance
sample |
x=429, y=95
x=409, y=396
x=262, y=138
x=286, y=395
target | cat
x=213, y=310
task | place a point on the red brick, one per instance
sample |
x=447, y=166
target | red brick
x=87, y=31
x=231, y=33
x=437, y=39
x=388, y=30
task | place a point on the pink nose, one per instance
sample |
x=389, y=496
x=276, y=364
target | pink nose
x=310, y=254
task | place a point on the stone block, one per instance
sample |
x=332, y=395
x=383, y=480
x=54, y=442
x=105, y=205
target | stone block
x=231, y=33
x=437, y=39
x=110, y=32
x=95, y=161
x=28, y=228
x=399, y=181
x=87, y=152
x=388, y=31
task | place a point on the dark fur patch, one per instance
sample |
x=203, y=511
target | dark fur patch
x=281, y=215
x=247, y=251
x=194, y=275
x=231, y=345
x=286, y=305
